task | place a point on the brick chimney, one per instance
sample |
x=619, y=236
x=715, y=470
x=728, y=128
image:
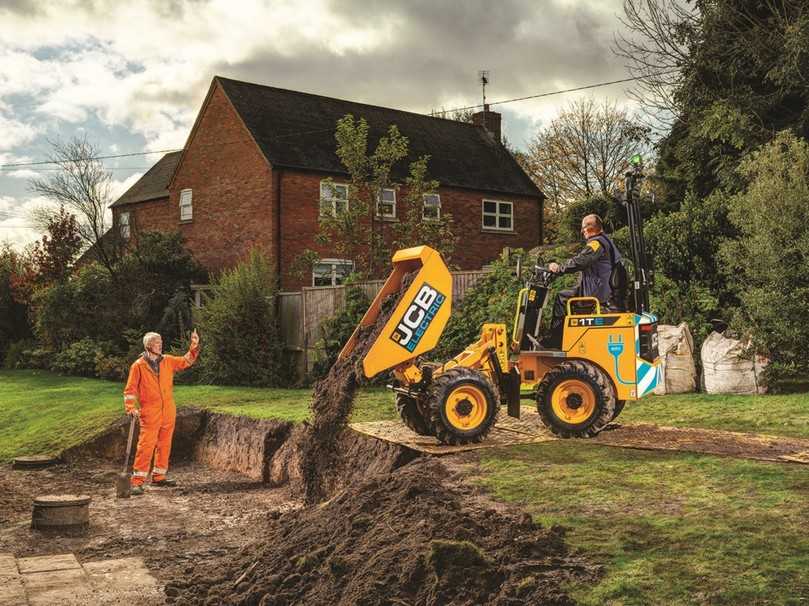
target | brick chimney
x=490, y=121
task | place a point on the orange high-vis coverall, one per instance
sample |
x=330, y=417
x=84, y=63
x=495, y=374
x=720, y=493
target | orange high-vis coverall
x=155, y=393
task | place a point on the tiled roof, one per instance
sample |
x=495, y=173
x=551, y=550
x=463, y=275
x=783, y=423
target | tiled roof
x=154, y=184
x=296, y=130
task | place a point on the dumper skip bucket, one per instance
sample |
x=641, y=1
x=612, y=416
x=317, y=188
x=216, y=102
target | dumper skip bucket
x=419, y=319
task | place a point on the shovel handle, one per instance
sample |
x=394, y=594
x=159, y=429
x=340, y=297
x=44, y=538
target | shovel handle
x=129, y=443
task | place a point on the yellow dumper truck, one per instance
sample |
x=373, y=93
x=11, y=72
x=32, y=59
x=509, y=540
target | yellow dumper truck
x=607, y=357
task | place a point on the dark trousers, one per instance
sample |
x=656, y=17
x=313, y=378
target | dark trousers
x=554, y=340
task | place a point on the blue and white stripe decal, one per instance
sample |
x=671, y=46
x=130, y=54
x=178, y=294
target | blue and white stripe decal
x=648, y=375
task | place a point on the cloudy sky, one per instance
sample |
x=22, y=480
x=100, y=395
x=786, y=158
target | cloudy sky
x=131, y=76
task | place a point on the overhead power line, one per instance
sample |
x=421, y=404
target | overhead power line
x=285, y=135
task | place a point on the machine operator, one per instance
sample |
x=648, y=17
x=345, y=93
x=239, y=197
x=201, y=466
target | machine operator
x=595, y=262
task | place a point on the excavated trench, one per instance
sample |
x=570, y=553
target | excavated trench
x=265, y=450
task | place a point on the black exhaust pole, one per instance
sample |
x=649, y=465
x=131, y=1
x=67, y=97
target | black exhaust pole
x=643, y=277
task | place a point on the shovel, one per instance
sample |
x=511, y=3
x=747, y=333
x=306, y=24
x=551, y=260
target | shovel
x=123, y=487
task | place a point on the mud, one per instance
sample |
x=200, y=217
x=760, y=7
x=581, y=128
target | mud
x=332, y=403
x=206, y=519
x=412, y=536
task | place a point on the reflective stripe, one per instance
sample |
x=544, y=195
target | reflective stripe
x=159, y=471
x=140, y=474
x=129, y=397
x=187, y=357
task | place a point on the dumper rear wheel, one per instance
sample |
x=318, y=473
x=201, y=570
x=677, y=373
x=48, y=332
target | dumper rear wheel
x=575, y=400
x=463, y=406
x=411, y=415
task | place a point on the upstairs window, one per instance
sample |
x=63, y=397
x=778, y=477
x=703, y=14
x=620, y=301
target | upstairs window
x=431, y=210
x=498, y=215
x=331, y=272
x=333, y=198
x=386, y=204
x=186, y=209
x=123, y=225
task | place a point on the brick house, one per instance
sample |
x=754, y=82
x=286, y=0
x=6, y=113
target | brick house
x=252, y=169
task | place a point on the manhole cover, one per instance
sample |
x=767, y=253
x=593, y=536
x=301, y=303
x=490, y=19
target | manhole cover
x=34, y=462
x=61, y=511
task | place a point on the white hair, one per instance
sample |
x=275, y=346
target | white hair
x=149, y=337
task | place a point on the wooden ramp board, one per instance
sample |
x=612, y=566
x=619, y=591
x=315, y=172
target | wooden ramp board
x=739, y=445
x=529, y=429
x=507, y=431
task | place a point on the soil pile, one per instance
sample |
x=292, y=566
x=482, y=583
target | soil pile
x=408, y=537
x=333, y=400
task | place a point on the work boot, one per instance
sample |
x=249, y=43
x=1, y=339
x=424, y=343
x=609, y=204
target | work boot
x=164, y=482
x=137, y=490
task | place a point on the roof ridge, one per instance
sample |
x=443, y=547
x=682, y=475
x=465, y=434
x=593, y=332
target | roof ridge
x=306, y=94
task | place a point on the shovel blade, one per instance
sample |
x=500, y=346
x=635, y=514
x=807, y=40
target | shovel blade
x=122, y=486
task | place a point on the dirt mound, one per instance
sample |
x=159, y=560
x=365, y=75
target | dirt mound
x=332, y=402
x=408, y=537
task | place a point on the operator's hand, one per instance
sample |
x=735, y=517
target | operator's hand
x=135, y=412
x=555, y=267
x=194, y=340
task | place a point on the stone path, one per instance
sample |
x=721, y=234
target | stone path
x=61, y=579
x=529, y=429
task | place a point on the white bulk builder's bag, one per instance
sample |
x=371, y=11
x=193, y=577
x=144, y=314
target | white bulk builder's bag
x=728, y=367
x=678, y=373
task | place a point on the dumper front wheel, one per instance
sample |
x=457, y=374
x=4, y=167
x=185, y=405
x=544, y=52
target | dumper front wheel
x=411, y=415
x=575, y=400
x=463, y=406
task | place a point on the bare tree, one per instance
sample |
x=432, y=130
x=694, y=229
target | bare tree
x=81, y=185
x=656, y=41
x=584, y=151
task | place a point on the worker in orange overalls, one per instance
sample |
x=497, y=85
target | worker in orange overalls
x=151, y=384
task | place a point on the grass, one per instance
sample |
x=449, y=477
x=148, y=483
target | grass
x=668, y=528
x=44, y=413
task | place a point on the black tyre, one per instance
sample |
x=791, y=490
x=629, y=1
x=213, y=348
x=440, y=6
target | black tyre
x=463, y=406
x=411, y=415
x=576, y=400
x=619, y=406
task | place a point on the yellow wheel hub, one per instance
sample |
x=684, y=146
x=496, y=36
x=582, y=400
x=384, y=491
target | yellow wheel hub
x=573, y=401
x=466, y=407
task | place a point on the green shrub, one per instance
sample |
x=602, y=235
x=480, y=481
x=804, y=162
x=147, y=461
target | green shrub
x=15, y=354
x=111, y=367
x=337, y=330
x=239, y=328
x=768, y=265
x=79, y=358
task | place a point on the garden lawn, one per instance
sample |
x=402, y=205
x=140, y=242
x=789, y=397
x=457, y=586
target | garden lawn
x=44, y=413
x=675, y=529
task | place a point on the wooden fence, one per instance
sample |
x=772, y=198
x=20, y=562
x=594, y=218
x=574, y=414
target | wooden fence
x=302, y=314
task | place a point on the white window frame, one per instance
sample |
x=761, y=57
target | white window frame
x=437, y=207
x=379, y=203
x=332, y=198
x=334, y=263
x=186, y=204
x=124, y=225
x=497, y=215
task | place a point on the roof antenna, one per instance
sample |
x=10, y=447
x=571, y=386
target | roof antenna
x=483, y=75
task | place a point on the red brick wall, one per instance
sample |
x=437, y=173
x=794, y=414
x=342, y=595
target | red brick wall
x=233, y=204
x=231, y=185
x=299, y=215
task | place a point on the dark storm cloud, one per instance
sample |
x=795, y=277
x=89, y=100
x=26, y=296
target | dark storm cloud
x=435, y=49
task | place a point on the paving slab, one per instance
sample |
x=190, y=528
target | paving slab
x=68, y=586
x=12, y=592
x=8, y=566
x=123, y=581
x=529, y=429
x=65, y=561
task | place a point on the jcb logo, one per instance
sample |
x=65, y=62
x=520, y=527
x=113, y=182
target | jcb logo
x=416, y=320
